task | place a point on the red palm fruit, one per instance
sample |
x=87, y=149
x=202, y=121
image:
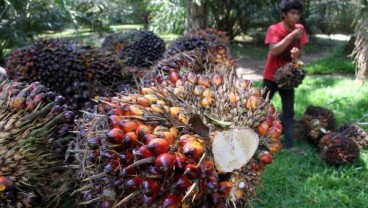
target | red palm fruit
x=112, y=167
x=119, y=147
x=152, y=170
x=128, y=125
x=255, y=91
x=204, y=80
x=217, y=80
x=271, y=110
x=191, y=171
x=207, y=168
x=125, y=110
x=194, y=149
x=275, y=147
x=215, y=198
x=180, y=162
x=94, y=142
x=159, y=79
x=270, y=120
x=5, y=183
x=233, y=98
x=170, y=201
x=185, y=139
x=147, y=138
x=182, y=184
x=265, y=157
x=211, y=184
x=143, y=130
x=115, y=112
x=128, y=171
x=174, y=76
x=115, y=135
x=167, y=136
x=142, y=152
x=132, y=183
x=174, y=131
x=276, y=131
x=94, y=156
x=198, y=90
x=136, y=110
x=109, y=154
x=256, y=167
x=253, y=102
x=114, y=121
x=263, y=128
x=118, y=181
x=127, y=158
x=143, y=101
x=164, y=162
x=68, y=117
x=174, y=111
x=158, y=146
x=191, y=77
x=241, y=84
x=107, y=204
x=149, y=187
x=130, y=139
x=224, y=188
x=148, y=199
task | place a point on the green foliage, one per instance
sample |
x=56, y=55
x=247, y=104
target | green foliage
x=335, y=63
x=167, y=16
x=235, y=17
x=22, y=19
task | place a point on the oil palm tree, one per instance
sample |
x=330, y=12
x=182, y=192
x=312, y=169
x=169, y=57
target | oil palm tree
x=360, y=51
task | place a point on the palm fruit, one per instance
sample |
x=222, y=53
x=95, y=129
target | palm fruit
x=78, y=72
x=356, y=133
x=337, y=149
x=196, y=142
x=206, y=49
x=34, y=131
x=290, y=76
x=300, y=130
x=139, y=48
x=317, y=121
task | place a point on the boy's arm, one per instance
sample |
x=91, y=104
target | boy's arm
x=277, y=48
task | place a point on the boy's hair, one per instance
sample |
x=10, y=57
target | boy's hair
x=287, y=5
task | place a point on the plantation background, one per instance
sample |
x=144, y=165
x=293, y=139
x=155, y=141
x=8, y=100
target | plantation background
x=332, y=81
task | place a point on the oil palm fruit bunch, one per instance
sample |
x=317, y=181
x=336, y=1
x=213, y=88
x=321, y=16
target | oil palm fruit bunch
x=317, y=121
x=107, y=73
x=337, y=149
x=299, y=130
x=139, y=48
x=290, y=76
x=57, y=64
x=34, y=131
x=213, y=42
x=356, y=133
x=202, y=140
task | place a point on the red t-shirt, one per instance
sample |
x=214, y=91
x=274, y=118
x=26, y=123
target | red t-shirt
x=275, y=34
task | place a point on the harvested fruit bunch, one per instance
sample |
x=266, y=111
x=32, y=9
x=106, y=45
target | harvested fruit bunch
x=57, y=64
x=290, y=76
x=78, y=72
x=317, y=121
x=337, y=149
x=202, y=141
x=213, y=43
x=139, y=48
x=108, y=74
x=34, y=131
x=356, y=133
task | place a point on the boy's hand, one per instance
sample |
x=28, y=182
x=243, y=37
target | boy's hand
x=295, y=52
x=298, y=32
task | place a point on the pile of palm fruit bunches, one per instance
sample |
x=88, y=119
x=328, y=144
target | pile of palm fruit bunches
x=34, y=131
x=336, y=145
x=199, y=137
x=203, y=141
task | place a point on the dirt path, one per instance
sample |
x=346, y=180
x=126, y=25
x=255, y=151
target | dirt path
x=252, y=69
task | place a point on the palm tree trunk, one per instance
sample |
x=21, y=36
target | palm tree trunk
x=197, y=15
x=360, y=51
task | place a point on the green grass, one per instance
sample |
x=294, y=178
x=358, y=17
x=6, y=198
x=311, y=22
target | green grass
x=335, y=63
x=308, y=182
